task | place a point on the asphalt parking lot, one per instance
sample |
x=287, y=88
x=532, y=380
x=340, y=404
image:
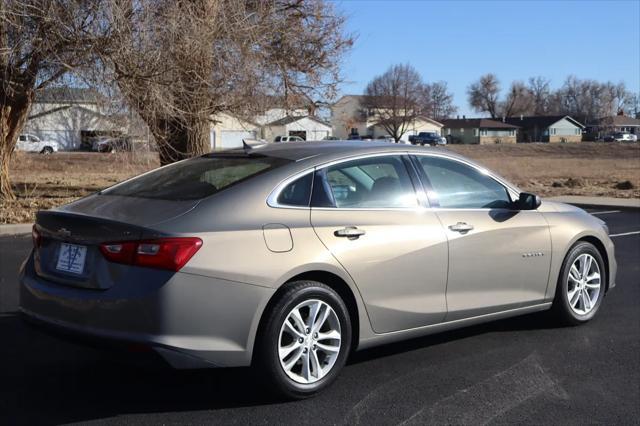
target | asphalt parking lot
x=522, y=370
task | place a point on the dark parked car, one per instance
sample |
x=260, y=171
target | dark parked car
x=427, y=138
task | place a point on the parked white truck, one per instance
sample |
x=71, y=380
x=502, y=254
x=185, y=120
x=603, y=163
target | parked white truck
x=32, y=143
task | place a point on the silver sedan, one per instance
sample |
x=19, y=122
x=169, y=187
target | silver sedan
x=288, y=257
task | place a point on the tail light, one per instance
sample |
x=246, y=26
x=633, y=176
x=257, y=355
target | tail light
x=36, y=237
x=163, y=253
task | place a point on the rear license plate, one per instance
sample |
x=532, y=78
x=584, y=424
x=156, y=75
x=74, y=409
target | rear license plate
x=71, y=258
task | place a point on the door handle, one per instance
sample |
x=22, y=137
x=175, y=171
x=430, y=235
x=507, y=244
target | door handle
x=351, y=232
x=461, y=227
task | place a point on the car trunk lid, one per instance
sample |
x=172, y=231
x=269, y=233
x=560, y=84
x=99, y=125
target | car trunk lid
x=70, y=237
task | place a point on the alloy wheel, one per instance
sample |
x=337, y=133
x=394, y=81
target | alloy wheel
x=309, y=341
x=584, y=284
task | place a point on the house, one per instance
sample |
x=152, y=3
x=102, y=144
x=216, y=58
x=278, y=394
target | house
x=478, y=131
x=228, y=131
x=617, y=123
x=557, y=128
x=350, y=117
x=308, y=127
x=73, y=117
x=272, y=114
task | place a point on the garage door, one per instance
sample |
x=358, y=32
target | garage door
x=318, y=135
x=233, y=138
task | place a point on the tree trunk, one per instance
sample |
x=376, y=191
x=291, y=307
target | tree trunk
x=13, y=116
x=178, y=140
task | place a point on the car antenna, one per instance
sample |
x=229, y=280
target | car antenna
x=250, y=144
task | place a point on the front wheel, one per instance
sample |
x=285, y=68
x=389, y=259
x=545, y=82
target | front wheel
x=46, y=150
x=581, y=285
x=305, y=341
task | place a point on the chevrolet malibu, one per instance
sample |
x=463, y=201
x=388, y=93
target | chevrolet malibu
x=288, y=257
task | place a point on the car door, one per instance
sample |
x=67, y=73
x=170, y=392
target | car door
x=35, y=144
x=499, y=258
x=367, y=214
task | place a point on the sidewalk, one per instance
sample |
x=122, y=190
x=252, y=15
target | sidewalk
x=23, y=228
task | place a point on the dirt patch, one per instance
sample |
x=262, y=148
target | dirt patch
x=46, y=181
x=587, y=168
x=595, y=169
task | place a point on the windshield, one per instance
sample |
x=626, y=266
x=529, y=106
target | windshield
x=196, y=178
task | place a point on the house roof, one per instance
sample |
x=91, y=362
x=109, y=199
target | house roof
x=74, y=95
x=358, y=97
x=77, y=108
x=367, y=100
x=430, y=120
x=618, y=121
x=293, y=118
x=541, y=121
x=482, y=123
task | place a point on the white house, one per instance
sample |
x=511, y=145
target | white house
x=228, y=131
x=70, y=116
x=308, y=127
x=350, y=117
x=276, y=113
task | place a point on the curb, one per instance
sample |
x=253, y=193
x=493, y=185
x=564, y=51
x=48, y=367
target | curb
x=22, y=228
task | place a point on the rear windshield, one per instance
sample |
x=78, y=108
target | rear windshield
x=196, y=178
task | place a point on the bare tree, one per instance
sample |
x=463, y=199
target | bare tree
x=180, y=63
x=483, y=95
x=392, y=99
x=633, y=108
x=437, y=101
x=517, y=102
x=540, y=91
x=587, y=100
x=40, y=42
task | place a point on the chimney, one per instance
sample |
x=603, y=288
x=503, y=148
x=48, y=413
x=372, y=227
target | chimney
x=521, y=117
x=504, y=119
x=457, y=117
x=464, y=117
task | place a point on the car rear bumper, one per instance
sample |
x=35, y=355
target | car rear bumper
x=189, y=320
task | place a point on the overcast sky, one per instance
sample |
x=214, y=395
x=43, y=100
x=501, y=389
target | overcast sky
x=457, y=41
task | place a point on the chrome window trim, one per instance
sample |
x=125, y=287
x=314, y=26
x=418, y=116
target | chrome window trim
x=272, y=199
x=372, y=209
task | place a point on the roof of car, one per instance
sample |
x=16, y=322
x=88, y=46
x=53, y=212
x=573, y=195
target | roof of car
x=328, y=150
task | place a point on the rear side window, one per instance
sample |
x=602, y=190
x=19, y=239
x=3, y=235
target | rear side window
x=196, y=178
x=376, y=182
x=297, y=193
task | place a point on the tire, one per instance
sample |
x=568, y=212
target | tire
x=275, y=335
x=46, y=150
x=572, y=311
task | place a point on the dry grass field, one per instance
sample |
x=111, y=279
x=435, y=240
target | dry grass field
x=43, y=182
x=588, y=168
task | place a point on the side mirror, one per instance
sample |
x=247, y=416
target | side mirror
x=528, y=201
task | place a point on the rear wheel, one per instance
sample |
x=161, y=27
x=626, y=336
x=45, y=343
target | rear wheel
x=305, y=341
x=581, y=285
